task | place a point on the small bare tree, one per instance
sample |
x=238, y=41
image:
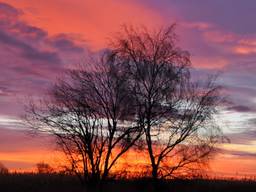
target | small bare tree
x=87, y=111
x=44, y=168
x=3, y=169
x=174, y=113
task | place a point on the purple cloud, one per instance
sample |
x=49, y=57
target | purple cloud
x=23, y=141
x=7, y=10
x=28, y=52
x=65, y=43
x=237, y=153
x=30, y=59
x=233, y=15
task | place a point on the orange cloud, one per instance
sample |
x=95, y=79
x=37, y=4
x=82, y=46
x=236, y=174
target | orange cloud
x=209, y=63
x=219, y=36
x=231, y=42
x=244, y=50
x=197, y=25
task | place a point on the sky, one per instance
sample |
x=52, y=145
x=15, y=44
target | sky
x=40, y=39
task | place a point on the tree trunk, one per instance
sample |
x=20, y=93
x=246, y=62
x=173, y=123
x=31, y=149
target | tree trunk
x=154, y=172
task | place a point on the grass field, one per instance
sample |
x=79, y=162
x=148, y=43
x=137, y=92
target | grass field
x=64, y=183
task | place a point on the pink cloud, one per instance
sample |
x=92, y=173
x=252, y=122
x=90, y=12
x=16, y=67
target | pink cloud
x=93, y=19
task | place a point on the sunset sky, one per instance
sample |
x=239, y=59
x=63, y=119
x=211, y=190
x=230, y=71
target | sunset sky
x=39, y=39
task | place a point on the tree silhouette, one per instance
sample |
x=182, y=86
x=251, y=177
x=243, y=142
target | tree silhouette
x=174, y=113
x=44, y=168
x=140, y=89
x=3, y=169
x=87, y=111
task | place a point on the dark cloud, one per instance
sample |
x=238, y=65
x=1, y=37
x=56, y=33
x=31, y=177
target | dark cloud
x=7, y=10
x=240, y=108
x=243, y=137
x=237, y=153
x=65, y=43
x=252, y=121
x=30, y=31
x=29, y=52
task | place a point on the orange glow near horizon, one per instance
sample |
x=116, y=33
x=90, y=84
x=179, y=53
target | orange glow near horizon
x=135, y=162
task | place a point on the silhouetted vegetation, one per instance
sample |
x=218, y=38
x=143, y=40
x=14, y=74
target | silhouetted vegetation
x=44, y=168
x=86, y=112
x=3, y=170
x=66, y=183
x=174, y=113
x=137, y=93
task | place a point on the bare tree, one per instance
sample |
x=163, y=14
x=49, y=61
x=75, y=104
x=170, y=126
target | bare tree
x=44, y=168
x=88, y=111
x=142, y=85
x=3, y=169
x=174, y=113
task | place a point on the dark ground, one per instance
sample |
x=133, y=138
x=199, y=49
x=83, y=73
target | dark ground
x=64, y=183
